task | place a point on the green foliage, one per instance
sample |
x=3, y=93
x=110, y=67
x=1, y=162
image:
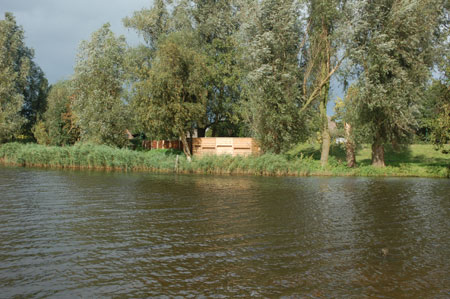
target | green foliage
x=15, y=66
x=239, y=68
x=272, y=89
x=440, y=124
x=23, y=86
x=211, y=25
x=436, y=110
x=418, y=160
x=40, y=133
x=172, y=100
x=35, y=97
x=98, y=107
x=216, y=25
x=151, y=24
x=58, y=119
x=392, y=46
x=346, y=112
x=85, y=155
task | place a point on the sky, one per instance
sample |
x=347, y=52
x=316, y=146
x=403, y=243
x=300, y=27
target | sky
x=55, y=28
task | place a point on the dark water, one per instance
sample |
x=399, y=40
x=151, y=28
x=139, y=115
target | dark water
x=71, y=234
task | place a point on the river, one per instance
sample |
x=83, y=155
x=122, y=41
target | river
x=94, y=234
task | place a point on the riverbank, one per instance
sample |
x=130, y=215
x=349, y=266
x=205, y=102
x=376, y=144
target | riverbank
x=418, y=161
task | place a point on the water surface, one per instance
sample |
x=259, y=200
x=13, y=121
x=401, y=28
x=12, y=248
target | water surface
x=80, y=233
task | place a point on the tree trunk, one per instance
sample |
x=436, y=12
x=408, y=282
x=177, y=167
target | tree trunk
x=349, y=146
x=186, y=147
x=326, y=142
x=325, y=70
x=378, y=153
x=326, y=138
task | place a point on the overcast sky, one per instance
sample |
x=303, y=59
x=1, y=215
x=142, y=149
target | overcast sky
x=55, y=28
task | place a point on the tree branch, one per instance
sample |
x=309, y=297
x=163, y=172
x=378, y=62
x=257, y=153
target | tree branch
x=316, y=91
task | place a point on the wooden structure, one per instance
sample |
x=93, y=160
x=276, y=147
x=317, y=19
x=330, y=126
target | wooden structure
x=209, y=145
x=224, y=145
x=166, y=144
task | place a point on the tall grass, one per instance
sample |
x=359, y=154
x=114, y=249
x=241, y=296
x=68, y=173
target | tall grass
x=419, y=160
x=85, y=156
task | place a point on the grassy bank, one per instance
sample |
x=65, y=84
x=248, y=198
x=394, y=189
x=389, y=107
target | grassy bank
x=417, y=160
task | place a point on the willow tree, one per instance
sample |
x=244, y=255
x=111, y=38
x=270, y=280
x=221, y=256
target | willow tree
x=272, y=83
x=22, y=83
x=98, y=107
x=35, y=97
x=57, y=126
x=172, y=100
x=439, y=91
x=393, y=48
x=216, y=24
x=151, y=23
x=323, y=54
x=213, y=24
x=439, y=120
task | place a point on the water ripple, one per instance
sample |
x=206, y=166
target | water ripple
x=74, y=233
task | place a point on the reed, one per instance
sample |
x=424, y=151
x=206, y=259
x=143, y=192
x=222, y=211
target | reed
x=424, y=163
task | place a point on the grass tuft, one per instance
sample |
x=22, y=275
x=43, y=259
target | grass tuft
x=416, y=160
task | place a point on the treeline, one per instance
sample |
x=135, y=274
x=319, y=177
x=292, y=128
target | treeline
x=243, y=68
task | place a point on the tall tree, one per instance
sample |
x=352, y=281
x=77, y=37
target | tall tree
x=58, y=123
x=272, y=84
x=216, y=23
x=35, y=97
x=151, y=23
x=393, y=49
x=436, y=113
x=23, y=85
x=439, y=92
x=172, y=101
x=99, y=109
x=321, y=55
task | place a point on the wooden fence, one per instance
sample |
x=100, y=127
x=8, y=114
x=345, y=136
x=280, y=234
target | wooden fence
x=224, y=145
x=162, y=144
x=209, y=146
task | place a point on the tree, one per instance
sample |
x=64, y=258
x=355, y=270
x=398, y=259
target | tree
x=98, y=107
x=343, y=111
x=437, y=108
x=355, y=132
x=321, y=55
x=23, y=85
x=35, y=97
x=213, y=24
x=272, y=84
x=172, y=101
x=438, y=118
x=58, y=124
x=151, y=23
x=216, y=24
x=393, y=45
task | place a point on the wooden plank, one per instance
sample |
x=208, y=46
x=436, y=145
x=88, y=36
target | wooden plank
x=224, y=141
x=224, y=145
x=242, y=152
x=224, y=150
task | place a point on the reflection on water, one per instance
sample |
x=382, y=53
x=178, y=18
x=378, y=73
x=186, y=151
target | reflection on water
x=74, y=233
